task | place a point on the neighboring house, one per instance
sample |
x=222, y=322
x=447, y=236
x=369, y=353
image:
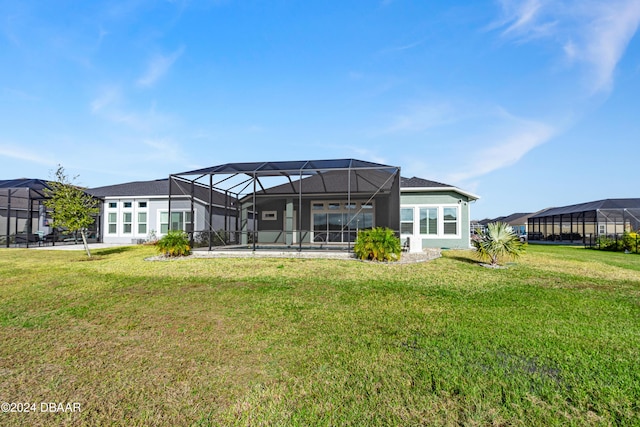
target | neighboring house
x=585, y=222
x=434, y=215
x=517, y=221
x=23, y=218
x=138, y=211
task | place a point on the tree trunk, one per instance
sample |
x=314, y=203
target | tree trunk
x=86, y=245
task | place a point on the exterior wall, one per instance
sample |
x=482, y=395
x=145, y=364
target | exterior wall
x=438, y=200
x=154, y=208
x=275, y=227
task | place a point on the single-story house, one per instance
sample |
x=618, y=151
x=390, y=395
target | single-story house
x=585, y=222
x=323, y=203
x=518, y=221
x=139, y=211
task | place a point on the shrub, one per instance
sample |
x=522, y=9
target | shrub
x=497, y=241
x=174, y=243
x=378, y=244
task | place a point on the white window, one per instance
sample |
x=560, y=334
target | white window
x=406, y=221
x=179, y=221
x=269, y=215
x=429, y=221
x=450, y=220
x=126, y=222
x=433, y=221
x=142, y=223
x=112, y=222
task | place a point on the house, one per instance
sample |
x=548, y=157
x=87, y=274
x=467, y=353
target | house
x=434, y=215
x=585, y=222
x=324, y=203
x=137, y=211
x=517, y=221
x=23, y=217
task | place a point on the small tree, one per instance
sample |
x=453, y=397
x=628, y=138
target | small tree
x=71, y=207
x=499, y=240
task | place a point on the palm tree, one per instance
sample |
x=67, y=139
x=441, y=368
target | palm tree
x=499, y=240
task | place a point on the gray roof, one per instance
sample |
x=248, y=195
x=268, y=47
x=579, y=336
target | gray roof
x=591, y=206
x=415, y=182
x=514, y=218
x=158, y=187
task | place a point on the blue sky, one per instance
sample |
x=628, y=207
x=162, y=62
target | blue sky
x=529, y=104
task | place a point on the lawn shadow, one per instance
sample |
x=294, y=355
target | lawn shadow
x=114, y=250
x=464, y=259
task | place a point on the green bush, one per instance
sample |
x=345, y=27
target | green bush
x=378, y=244
x=174, y=243
x=628, y=242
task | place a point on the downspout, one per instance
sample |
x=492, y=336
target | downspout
x=169, y=205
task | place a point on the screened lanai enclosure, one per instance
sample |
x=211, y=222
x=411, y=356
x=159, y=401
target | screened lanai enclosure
x=23, y=218
x=296, y=204
x=585, y=222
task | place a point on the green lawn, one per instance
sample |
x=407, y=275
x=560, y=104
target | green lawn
x=553, y=340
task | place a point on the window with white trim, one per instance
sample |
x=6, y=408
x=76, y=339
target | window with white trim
x=429, y=221
x=406, y=221
x=142, y=223
x=180, y=220
x=450, y=220
x=433, y=221
x=127, y=218
x=112, y=222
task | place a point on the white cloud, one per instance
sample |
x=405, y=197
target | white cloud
x=105, y=99
x=504, y=149
x=520, y=15
x=10, y=151
x=419, y=118
x=594, y=34
x=158, y=67
x=607, y=38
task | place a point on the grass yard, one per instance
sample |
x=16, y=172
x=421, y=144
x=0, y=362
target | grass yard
x=554, y=340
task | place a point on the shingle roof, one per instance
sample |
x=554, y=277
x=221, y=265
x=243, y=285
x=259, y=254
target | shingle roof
x=410, y=184
x=415, y=182
x=158, y=187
